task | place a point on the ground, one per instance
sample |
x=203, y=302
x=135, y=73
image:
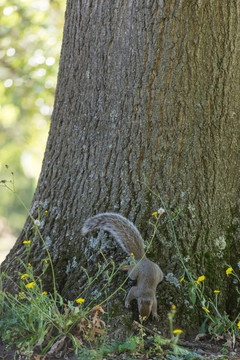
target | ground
x=202, y=346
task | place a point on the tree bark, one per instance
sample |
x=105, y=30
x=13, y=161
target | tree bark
x=146, y=90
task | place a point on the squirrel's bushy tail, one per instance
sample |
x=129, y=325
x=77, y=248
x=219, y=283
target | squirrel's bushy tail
x=123, y=230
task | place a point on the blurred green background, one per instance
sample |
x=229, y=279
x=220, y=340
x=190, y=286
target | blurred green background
x=30, y=44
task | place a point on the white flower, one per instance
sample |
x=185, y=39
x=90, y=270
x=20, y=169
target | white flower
x=161, y=211
x=37, y=223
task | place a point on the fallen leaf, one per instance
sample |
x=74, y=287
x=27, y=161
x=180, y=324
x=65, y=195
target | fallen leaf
x=57, y=346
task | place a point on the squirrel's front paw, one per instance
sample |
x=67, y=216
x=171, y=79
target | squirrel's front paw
x=127, y=304
x=156, y=317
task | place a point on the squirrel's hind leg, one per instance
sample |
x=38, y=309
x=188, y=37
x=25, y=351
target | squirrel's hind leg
x=125, y=267
x=132, y=271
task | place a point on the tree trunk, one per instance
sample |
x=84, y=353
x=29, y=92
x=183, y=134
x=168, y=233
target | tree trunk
x=147, y=92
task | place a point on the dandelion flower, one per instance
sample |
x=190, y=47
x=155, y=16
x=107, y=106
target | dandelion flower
x=44, y=293
x=217, y=291
x=37, y=223
x=177, y=331
x=161, y=211
x=229, y=271
x=30, y=285
x=26, y=241
x=80, y=300
x=132, y=254
x=201, y=278
x=205, y=309
x=173, y=307
x=24, y=276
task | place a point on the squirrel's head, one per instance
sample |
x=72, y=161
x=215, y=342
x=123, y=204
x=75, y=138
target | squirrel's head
x=144, y=308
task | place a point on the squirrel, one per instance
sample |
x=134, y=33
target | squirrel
x=147, y=273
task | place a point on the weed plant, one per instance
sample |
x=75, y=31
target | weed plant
x=34, y=320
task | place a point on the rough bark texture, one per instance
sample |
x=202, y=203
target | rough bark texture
x=145, y=88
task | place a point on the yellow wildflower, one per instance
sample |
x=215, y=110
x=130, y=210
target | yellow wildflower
x=181, y=280
x=201, y=278
x=217, y=291
x=177, y=331
x=229, y=271
x=238, y=324
x=30, y=285
x=205, y=309
x=44, y=293
x=154, y=213
x=24, y=276
x=46, y=211
x=132, y=254
x=26, y=241
x=80, y=300
x=173, y=307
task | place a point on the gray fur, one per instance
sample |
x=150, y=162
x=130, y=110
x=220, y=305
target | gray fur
x=123, y=230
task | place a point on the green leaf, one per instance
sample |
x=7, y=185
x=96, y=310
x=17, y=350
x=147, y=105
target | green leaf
x=192, y=295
